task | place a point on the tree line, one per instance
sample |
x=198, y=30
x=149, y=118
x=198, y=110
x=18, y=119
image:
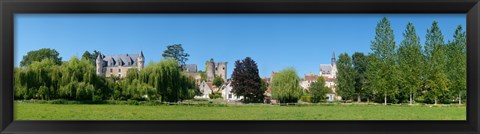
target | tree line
x=46, y=78
x=407, y=73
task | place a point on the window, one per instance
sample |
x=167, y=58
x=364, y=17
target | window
x=119, y=70
x=229, y=96
x=111, y=70
x=119, y=75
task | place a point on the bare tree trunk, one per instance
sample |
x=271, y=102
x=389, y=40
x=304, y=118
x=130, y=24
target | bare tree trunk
x=358, y=98
x=411, y=98
x=368, y=99
x=435, y=101
x=459, y=98
x=385, y=99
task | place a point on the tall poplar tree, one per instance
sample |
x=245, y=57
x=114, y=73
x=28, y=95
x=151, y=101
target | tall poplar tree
x=345, y=76
x=373, y=82
x=360, y=62
x=457, y=64
x=410, y=61
x=435, y=60
x=383, y=48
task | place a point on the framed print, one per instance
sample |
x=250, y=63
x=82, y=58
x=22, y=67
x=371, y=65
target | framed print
x=239, y=66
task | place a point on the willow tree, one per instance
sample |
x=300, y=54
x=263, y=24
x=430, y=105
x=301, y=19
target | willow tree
x=285, y=86
x=383, y=47
x=39, y=80
x=410, y=61
x=435, y=61
x=79, y=80
x=168, y=80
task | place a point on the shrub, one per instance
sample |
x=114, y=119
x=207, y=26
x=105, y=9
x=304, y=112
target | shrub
x=306, y=98
x=215, y=95
x=132, y=102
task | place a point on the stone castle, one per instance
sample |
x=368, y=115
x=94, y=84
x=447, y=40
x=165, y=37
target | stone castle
x=219, y=70
x=118, y=65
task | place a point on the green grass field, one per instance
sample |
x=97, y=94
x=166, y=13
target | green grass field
x=32, y=111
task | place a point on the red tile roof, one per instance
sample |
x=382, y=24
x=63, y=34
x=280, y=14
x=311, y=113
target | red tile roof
x=311, y=77
x=210, y=85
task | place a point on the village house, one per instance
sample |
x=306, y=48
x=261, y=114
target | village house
x=308, y=80
x=268, y=92
x=206, y=88
x=227, y=93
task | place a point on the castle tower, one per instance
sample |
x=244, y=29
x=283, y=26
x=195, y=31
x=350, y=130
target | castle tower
x=210, y=70
x=221, y=70
x=140, y=61
x=99, y=64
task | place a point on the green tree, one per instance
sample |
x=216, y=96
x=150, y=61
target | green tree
x=92, y=57
x=285, y=86
x=410, y=61
x=345, y=77
x=436, y=79
x=171, y=84
x=383, y=48
x=39, y=80
x=360, y=62
x=246, y=82
x=318, y=90
x=218, y=81
x=176, y=52
x=39, y=55
x=456, y=65
x=373, y=82
x=203, y=75
x=78, y=81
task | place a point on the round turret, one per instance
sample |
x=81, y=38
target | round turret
x=140, y=61
x=99, y=65
x=210, y=70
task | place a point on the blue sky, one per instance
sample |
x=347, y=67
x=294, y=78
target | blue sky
x=274, y=41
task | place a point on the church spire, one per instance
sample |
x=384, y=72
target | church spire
x=333, y=57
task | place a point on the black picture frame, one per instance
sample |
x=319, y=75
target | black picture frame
x=11, y=7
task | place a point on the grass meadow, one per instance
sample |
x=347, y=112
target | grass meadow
x=33, y=111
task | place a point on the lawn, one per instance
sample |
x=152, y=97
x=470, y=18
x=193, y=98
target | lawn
x=32, y=111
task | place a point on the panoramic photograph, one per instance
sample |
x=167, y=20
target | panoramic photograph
x=240, y=67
